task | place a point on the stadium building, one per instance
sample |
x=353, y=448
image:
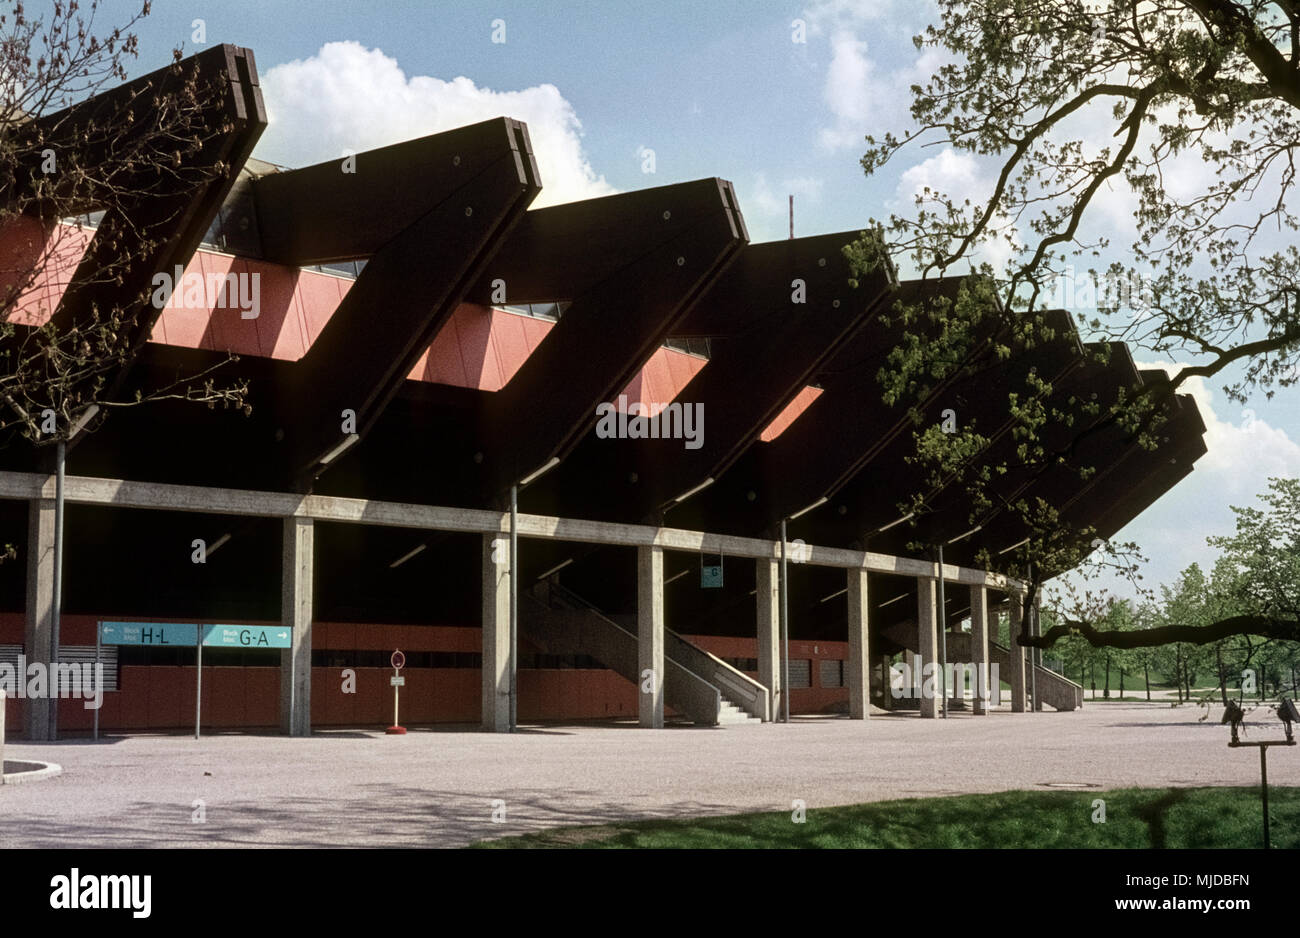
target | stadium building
x=421, y=348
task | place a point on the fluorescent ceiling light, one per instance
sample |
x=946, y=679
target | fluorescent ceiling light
x=405, y=557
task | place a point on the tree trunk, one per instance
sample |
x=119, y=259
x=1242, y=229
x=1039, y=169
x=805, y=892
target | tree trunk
x=1146, y=675
x=1106, y=691
x=1121, y=683
x=1223, y=678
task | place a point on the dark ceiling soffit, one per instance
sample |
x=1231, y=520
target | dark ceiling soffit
x=411, y=285
x=1130, y=477
x=770, y=347
x=633, y=265
x=762, y=366
x=850, y=448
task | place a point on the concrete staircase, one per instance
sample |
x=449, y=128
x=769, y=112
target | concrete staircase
x=1055, y=690
x=699, y=685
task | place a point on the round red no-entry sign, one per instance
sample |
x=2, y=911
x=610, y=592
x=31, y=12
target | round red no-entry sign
x=399, y=660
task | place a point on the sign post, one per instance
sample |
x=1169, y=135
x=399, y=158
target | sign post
x=198, y=682
x=398, y=661
x=191, y=635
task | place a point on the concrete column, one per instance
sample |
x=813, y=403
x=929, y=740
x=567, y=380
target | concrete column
x=927, y=623
x=767, y=582
x=38, y=632
x=887, y=698
x=858, y=667
x=1017, y=676
x=495, y=705
x=650, y=636
x=296, y=578
x=979, y=649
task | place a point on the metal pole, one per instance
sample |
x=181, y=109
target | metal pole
x=1034, y=659
x=514, y=607
x=98, y=671
x=198, y=685
x=943, y=638
x=56, y=605
x=1033, y=652
x=785, y=629
x=395, y=689
x=1263, y=784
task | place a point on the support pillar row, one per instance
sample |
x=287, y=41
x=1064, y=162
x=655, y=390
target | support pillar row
x=38, y=633
x=495, y=700
x=297, y=577
x=858, y=668
x=979, y=649
x=927, y=622
x=650, y=636
x=1017, y=676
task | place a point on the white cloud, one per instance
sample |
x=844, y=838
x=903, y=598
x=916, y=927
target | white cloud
x=850, y=91
x=958, y=176
x=348, y=97
x=1243, y=452
x=1242, y=455
x=861, y=98
x=825, y=16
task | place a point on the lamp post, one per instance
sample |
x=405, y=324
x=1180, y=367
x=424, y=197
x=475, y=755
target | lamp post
x=943, y=638
x=785, y=608
x=56, y=602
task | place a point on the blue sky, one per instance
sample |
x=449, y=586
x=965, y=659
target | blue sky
x=714, y=89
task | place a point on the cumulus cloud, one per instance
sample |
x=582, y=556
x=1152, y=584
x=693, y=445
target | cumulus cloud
x=958, y=176
x=850, y=91
x=347, y=97
x=861, y=97
x=1243, y=452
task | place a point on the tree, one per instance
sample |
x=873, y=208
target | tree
x=1253, y=594
x=1071, y=104
x=64, y=152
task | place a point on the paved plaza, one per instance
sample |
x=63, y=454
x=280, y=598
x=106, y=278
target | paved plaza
x=441, y=788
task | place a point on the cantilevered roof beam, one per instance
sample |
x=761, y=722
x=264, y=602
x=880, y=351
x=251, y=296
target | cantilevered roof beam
x=461, y=194
x=153, y=221
x=632, y=266
x=775, y=316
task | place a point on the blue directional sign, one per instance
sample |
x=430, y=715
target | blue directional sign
x=247, y=636
x=184, y=634
x=711, y=576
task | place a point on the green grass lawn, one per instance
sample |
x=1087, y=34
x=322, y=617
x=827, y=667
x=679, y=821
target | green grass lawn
x=1135, y=817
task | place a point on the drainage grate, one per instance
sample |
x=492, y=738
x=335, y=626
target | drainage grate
x=1069, y=784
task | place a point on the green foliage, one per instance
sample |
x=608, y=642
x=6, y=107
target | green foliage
x=1136, y=818
x=1066, y=102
